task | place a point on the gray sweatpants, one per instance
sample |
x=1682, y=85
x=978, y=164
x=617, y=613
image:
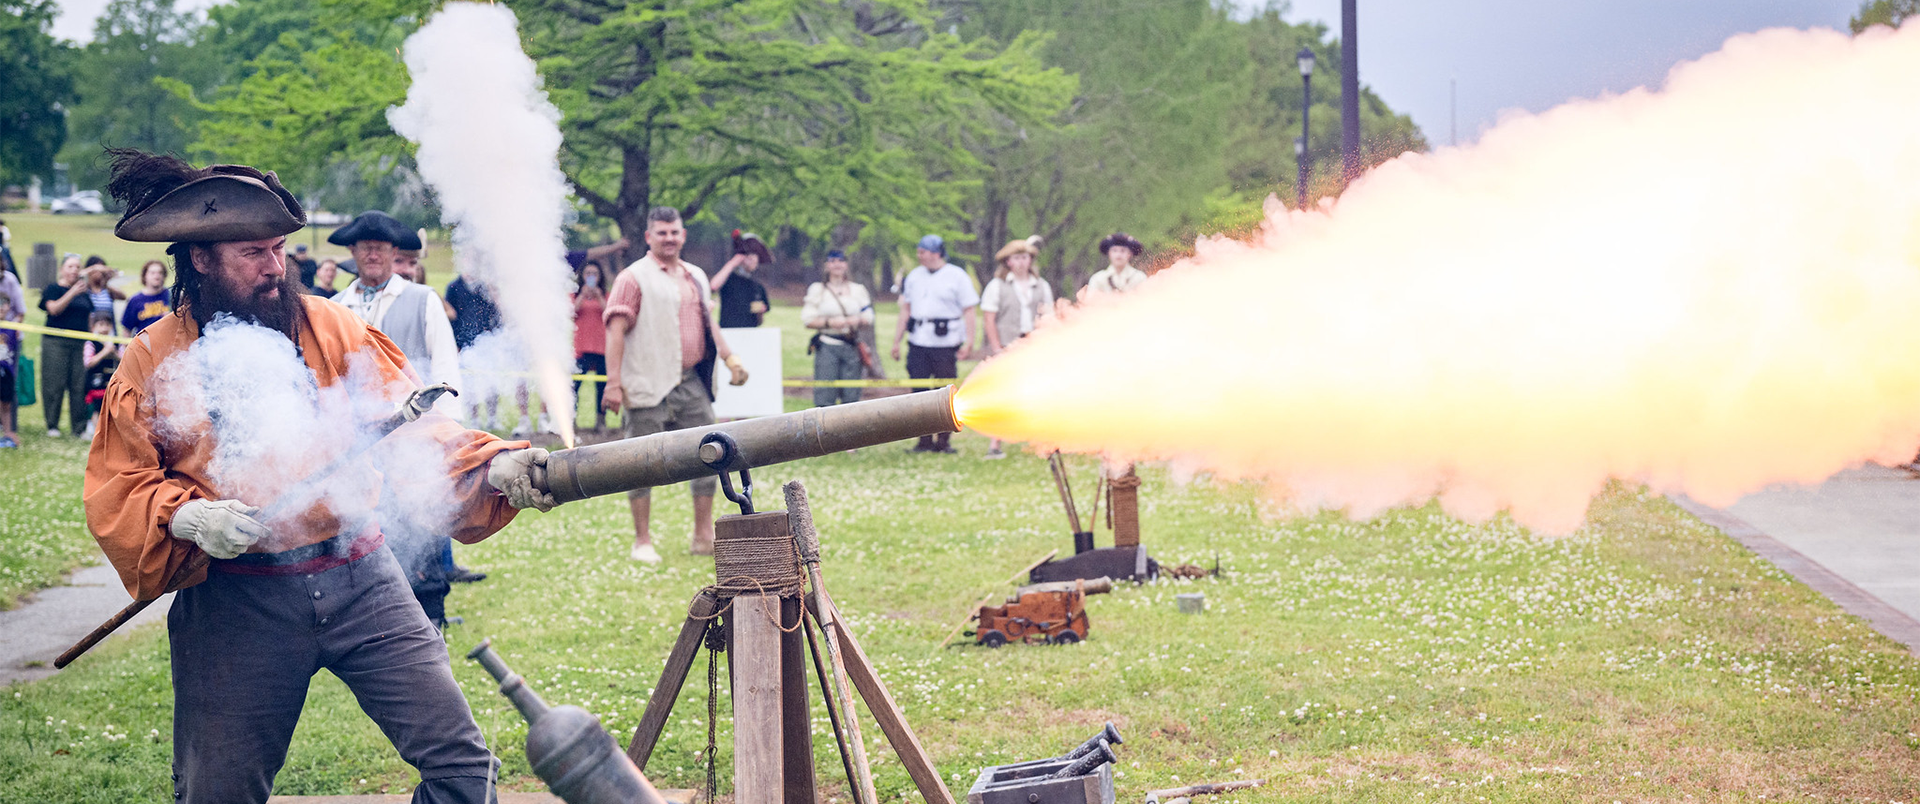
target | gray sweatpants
x=245, y=648
x=837, y=361
x=63, y=378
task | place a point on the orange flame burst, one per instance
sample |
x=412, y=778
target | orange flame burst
x=1708, y=288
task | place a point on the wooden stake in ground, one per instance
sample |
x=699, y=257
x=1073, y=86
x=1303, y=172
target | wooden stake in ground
x=800, y=519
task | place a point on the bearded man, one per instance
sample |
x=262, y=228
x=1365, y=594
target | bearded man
x=314, y=587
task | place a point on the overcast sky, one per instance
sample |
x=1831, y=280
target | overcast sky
x=1528, y=54
x=1536, y=54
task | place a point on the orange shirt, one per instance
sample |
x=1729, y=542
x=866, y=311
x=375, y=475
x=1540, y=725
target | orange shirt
x=136, y=478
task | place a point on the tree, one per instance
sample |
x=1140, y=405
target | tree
x=807, y=112
x=1142, y=140
x=1185, y=116
x=36, y=72
x=140, y=49
x=1883, y=12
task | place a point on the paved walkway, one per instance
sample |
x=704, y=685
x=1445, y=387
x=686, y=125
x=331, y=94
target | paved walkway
x=1854, y=538
x=33, y=633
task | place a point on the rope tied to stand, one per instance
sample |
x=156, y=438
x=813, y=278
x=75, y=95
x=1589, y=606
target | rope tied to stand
x=756, y=565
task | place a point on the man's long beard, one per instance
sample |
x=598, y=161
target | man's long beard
x=212, y=297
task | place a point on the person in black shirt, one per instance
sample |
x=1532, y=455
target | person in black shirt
x=471, y=310
x=743, y=300
x=63, y=370
x=306, y=264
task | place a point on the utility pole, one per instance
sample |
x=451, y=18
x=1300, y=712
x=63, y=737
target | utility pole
x=1350, y=89
x=1305, y=60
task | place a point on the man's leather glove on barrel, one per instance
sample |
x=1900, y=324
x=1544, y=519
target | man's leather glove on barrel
x=512, y=474
x=738, y=371
x=223, y=528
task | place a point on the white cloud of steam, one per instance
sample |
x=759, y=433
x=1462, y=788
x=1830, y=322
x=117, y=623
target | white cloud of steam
x=1711, y=288
x=272, y=426
x=489, y=146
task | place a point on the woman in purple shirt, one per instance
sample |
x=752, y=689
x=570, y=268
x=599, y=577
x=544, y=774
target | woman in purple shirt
x=150, y=304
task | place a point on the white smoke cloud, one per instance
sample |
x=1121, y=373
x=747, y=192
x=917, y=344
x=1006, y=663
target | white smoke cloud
x=489, y=145
x=272, y=427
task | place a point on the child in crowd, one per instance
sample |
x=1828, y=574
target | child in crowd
x=590, y=336
x=101, y=358
x=150, y=304
x=9, y=376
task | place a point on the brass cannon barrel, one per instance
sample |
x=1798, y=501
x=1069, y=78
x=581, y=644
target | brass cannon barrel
x=674, y=457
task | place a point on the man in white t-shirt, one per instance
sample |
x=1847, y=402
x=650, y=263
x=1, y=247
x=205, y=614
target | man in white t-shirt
x=937, y=317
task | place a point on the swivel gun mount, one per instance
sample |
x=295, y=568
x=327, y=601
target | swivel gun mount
x=664, y=459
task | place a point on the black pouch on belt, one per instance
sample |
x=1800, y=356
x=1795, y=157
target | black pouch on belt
x=940, y=328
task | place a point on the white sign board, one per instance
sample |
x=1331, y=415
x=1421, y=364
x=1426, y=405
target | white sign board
x=759, y=351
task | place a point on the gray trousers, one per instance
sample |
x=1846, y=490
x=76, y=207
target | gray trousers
x=63, y=377
x=836, y=361
x=245, y=648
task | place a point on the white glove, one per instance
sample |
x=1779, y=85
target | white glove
x=512, y=474
x=223, y=528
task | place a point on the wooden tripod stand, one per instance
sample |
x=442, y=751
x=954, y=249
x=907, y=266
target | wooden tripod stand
x=758, y=599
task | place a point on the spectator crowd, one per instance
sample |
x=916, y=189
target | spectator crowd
x=648, y=336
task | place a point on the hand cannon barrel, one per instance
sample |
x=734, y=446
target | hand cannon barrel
x=672, y=457
x=567, y=747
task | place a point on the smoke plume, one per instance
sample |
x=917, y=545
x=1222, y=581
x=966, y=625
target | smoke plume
x=243, y=389
x=1710, y=288
x=489, y=146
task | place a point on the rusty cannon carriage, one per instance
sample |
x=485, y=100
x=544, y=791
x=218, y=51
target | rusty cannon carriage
x=1047, y=613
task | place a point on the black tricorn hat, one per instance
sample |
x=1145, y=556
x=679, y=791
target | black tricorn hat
x=222, y=203
x=1122, y=239
x=376, y=225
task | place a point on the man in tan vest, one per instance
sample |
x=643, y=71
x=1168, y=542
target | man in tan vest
x=661, y=347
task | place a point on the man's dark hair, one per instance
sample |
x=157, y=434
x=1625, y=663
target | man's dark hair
x=95, y=260
x=663, y=215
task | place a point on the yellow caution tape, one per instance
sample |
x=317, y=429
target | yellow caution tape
x=65, y=333
x=931, y=382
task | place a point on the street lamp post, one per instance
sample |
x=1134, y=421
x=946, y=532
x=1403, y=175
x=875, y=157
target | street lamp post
x=1305, y=57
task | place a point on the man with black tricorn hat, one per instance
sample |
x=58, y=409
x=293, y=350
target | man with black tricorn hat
x=409, y=313
x=314, y=587
x=1120, y=249
x=415, y=319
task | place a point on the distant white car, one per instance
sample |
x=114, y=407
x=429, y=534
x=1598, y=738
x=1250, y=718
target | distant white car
x=84, y=202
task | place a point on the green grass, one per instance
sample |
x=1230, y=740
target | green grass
x=1413, y=658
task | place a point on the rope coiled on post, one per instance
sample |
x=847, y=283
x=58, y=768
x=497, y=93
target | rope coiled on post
x=760, y=566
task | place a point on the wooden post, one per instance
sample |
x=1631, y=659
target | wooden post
x=759, y=761
x=797, y=722
x=1124, y=508
x=759, y=697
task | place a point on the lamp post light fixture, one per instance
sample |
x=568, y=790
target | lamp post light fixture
x=1300, y=158
x=1305, y=57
